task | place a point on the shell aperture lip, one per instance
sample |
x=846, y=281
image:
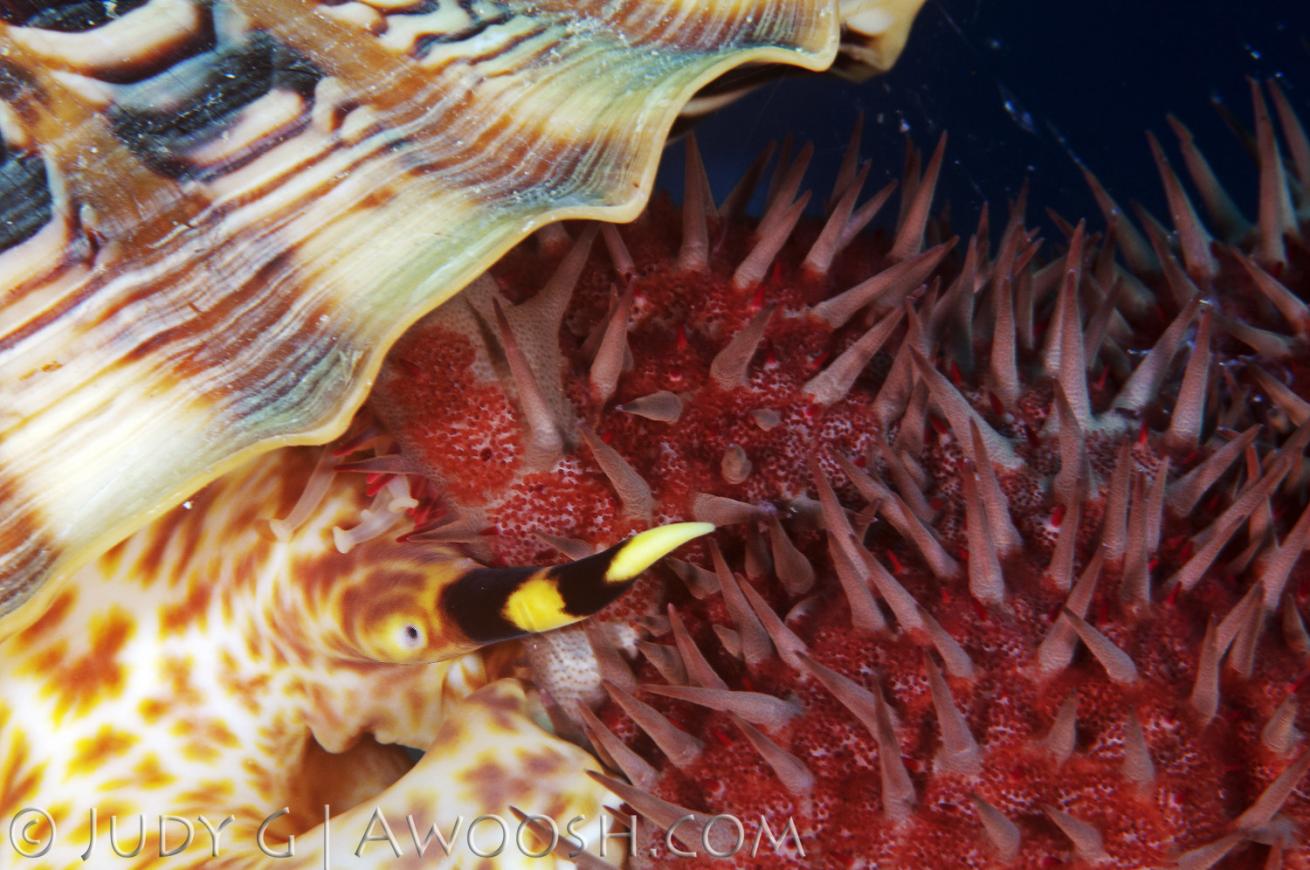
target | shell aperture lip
x=212, y=303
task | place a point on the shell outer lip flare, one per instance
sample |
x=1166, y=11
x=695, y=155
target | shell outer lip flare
x=169, y=325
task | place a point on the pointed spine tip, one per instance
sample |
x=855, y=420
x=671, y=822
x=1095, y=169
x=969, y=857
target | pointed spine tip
x=1118, y=664
x=1085, y=837
x=1062, y=737
x=679, y=747
x=1002, y=833
x=729, y=367
x=960, y=753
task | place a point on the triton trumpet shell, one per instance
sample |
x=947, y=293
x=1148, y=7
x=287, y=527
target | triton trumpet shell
x=216, y=217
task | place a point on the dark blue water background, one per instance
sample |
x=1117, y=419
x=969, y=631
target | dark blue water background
x=1025, y=88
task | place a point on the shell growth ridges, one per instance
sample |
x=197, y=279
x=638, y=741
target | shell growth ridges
x=214, y=232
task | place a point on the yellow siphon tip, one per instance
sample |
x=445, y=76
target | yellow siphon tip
x=646, y=548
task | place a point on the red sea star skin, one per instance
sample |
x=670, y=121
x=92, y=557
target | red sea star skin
x=949, y=701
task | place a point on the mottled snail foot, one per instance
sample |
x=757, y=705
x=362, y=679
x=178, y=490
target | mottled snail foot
x=490, y=755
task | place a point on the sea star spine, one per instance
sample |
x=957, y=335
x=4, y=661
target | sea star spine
x=1036, y=504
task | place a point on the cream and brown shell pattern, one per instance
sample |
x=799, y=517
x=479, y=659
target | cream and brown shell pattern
x=217, y=215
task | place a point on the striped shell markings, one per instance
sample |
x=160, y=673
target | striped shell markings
x=217, y=215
